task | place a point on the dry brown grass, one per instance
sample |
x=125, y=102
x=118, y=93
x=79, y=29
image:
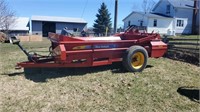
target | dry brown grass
x=106, y=88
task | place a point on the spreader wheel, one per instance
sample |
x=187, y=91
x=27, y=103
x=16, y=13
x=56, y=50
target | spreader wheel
x=135, y=59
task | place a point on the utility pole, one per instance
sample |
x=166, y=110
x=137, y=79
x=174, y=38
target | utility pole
x=116, y=13
x=194, y=18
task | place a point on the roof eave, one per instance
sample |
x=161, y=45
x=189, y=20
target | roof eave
x=59, y=21
x=156, y=5
x=19, y=29
x=161, y=17
x=132, y=13
x=184, y=7
x=128, y=15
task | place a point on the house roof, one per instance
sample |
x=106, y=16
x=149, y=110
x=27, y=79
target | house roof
x=182, y=3
x=153, y=15
x=58, y=19
x=157, y=15
x=21, y=23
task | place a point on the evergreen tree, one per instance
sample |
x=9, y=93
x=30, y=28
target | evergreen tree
x=103, y=20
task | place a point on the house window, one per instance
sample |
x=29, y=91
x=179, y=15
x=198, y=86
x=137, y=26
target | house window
x=141, y=23
x=180, y=23
x=168, y=9
x=155, y=22
x=129, y=23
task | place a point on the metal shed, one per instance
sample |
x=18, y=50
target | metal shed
x=41, y=25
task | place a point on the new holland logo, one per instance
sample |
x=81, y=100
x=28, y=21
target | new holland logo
x=104, y=46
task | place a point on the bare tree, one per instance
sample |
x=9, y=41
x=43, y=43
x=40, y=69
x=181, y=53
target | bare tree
x=148, y=5
x=7, y=17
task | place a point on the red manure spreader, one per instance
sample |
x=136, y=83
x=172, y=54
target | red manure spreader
x=132, y=48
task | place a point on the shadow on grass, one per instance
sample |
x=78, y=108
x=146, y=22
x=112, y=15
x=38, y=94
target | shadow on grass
x=190, y=92
x=15, y=74
x=188, y=58
x=42, y=74
x=123, y=70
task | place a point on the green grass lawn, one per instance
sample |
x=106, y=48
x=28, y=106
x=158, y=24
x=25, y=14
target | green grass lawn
x=165, y=85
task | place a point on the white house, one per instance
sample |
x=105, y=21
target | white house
x=153, y=22
x=167, y=17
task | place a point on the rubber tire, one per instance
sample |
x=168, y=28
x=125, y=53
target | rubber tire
x=127, y=58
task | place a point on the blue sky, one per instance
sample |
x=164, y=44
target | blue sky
x=85, y=9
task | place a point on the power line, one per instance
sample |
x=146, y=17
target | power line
x=111, y=4
x=84, y=8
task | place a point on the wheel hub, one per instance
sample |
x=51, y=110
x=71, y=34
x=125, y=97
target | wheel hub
x=137, y=60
